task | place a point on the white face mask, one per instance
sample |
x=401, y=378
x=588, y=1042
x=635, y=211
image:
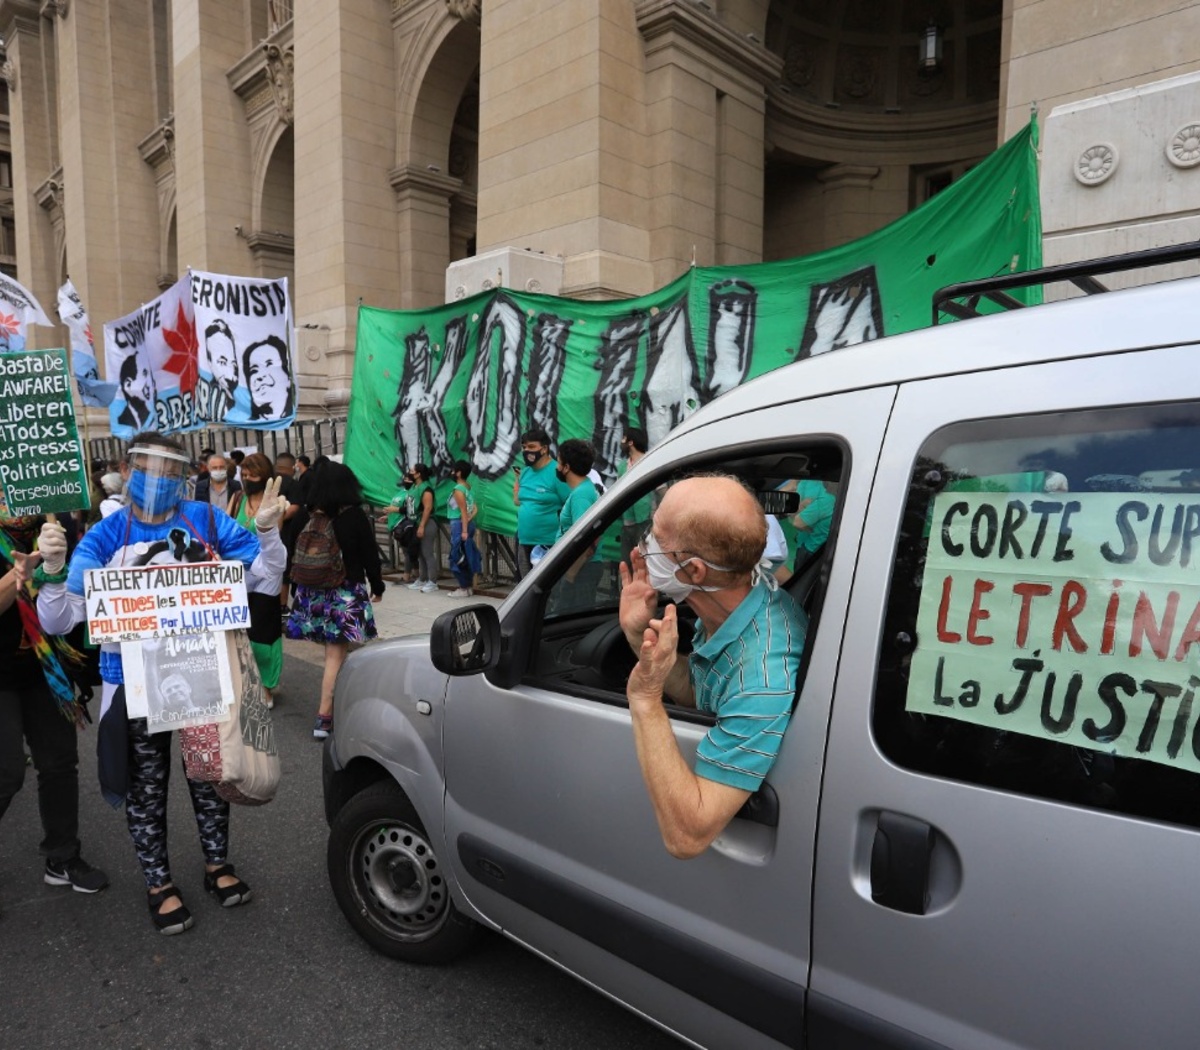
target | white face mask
x=218, y=475
x=661, y=571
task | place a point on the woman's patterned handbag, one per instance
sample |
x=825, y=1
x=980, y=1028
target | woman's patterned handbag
x=239, y=755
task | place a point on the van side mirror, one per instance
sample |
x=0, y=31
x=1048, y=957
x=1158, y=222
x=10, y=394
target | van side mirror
x=466, y=641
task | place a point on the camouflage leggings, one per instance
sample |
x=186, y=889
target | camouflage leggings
x=146, y=806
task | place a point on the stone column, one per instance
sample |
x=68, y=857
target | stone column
x=213, y=162
x=846, y=206
x=562, y=148
x=345, y=209
x=106, y=83
x=34, y=152
x=706, y=106
x=423, y=222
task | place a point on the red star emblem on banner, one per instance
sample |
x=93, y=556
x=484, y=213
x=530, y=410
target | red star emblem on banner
x=183, y=359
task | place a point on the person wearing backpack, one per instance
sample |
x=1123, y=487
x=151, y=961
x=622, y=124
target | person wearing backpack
x=334, y=560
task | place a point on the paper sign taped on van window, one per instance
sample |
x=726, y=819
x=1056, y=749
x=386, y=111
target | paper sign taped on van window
x=1072, y=617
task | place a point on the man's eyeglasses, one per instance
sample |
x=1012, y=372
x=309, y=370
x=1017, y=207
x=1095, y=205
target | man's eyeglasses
x=648, y=547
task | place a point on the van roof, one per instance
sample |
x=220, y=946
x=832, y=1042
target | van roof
x=1161, y=314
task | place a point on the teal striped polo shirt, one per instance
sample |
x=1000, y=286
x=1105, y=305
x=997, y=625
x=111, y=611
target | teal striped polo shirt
x=745, y=674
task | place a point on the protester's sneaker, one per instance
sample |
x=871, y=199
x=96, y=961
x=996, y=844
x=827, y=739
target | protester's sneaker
x=416, y=585
x=428, y=587
x=76, y=873
x=462, y=592
x=322, y=727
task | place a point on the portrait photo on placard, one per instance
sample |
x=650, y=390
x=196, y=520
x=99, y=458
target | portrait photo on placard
x=187, y=681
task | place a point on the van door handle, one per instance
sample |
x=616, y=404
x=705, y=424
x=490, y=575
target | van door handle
x=900, y=863
x=761, y=808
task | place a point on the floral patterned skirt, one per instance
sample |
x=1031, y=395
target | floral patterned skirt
x=339, y=614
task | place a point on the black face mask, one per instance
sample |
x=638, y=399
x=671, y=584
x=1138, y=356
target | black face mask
x=408, y=481
x=253, y=488
x=560, y=473
x=531, y=457
x=626, y=450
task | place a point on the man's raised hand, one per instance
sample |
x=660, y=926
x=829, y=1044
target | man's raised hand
x=639, y=601
x=656, y=658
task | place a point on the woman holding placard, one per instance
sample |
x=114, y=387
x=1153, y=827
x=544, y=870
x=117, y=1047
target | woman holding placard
x=159, y=527
x=38, y=707
x=266, y=631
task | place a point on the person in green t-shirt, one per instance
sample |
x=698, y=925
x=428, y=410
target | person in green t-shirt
x=397, y=509
x=635, y=521
x=813, y=518
x=420, y=508
x=539, y=496
x=807, y=530
x=577, y=589
x=465, y=560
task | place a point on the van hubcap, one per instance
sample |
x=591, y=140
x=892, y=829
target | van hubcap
x=398, y=880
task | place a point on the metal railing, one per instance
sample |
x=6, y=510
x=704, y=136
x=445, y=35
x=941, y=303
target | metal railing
x=1080, y=274
x=312, y=438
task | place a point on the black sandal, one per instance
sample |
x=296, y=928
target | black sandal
x=173, y=921
x=229, y=896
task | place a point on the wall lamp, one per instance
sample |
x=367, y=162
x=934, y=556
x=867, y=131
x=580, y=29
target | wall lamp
x=929, y=48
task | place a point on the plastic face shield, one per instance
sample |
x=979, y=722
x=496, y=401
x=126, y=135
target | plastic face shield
x=157, y=480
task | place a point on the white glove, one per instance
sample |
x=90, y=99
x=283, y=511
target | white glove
x=272, y=508
x=52, y=543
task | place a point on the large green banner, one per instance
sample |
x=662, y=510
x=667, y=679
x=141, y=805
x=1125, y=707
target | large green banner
x=464, y=380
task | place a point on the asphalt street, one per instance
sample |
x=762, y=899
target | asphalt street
x=285, y=970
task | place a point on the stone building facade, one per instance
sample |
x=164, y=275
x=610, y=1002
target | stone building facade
x=401, y=152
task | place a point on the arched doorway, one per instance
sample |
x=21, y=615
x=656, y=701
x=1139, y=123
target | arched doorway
x=860, y=130
x=273, y=240
x=463, y=164
x=437, y=153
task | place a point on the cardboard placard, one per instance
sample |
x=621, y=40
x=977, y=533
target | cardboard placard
x=153, y=601
x=1067, y=617
x=41, y=459
x=176, y=681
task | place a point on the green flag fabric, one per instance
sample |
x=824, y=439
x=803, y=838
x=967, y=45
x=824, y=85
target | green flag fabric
x=464, y=380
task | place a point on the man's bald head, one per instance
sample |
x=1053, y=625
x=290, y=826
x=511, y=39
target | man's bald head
x=715, y=517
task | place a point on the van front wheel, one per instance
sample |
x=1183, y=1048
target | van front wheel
x=388, y=881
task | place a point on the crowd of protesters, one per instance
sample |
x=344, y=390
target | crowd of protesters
x=225, y=505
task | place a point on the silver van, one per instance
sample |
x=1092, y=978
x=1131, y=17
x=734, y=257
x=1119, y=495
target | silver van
x=982, y=827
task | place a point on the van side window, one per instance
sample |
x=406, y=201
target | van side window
x=581, y=648
x=1042, y=632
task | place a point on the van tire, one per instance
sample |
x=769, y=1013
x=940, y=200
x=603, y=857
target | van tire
x=388, y=881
